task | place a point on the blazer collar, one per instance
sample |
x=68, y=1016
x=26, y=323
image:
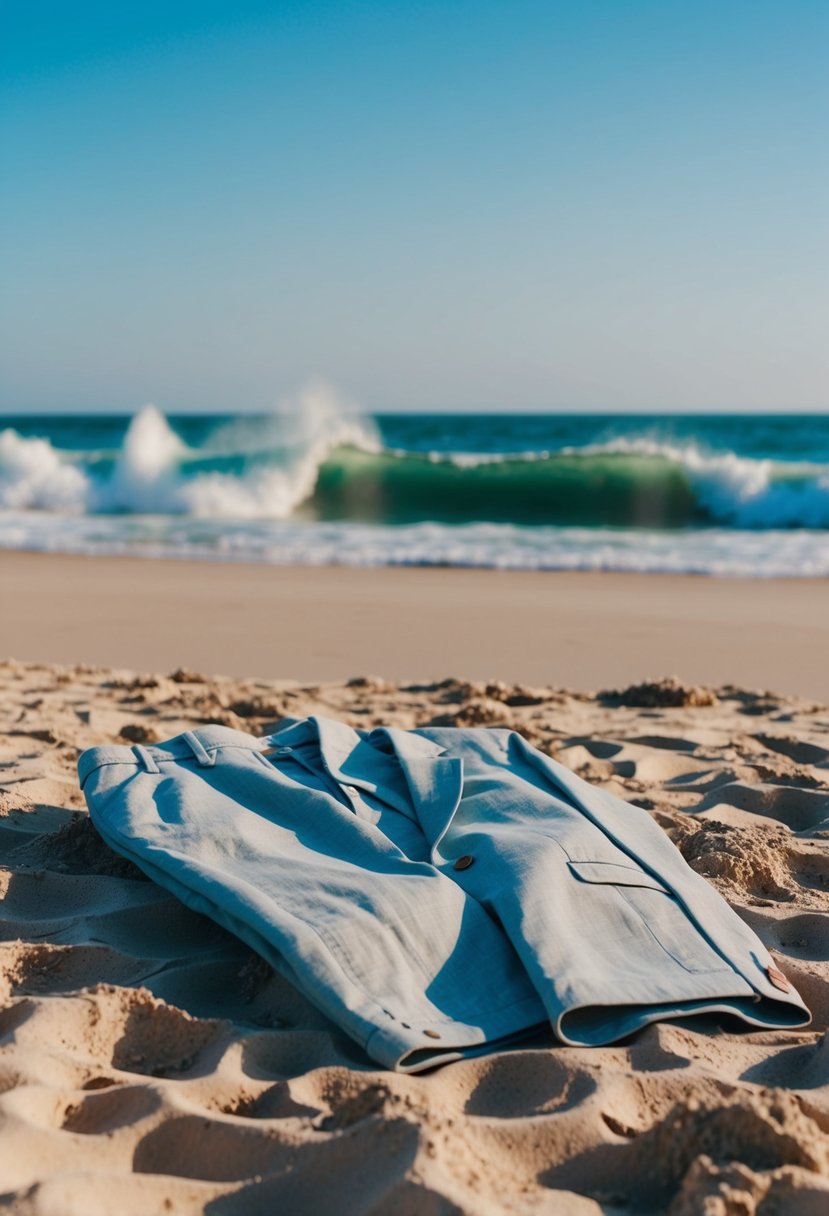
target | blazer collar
x=400, y=767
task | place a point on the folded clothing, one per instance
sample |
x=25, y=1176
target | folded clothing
x=435, y=892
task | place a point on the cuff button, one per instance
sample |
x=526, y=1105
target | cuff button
x=778, y=979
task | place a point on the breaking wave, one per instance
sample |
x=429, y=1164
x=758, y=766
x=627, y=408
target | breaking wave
x=315, y=482
x=262, y=468
x=624, y=484
x=317, y=461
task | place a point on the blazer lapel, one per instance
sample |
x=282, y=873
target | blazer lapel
x=435, y=782
x=352, y=760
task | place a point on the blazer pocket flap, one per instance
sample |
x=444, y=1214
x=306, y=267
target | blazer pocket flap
x=616, y=874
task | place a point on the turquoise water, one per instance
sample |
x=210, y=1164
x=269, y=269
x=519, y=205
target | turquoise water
x=703, y=494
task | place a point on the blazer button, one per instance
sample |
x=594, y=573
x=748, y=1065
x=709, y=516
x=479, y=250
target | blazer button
x=463, y=863
x=431, y=1034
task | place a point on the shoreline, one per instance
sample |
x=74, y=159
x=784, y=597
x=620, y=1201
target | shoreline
x=582, y=630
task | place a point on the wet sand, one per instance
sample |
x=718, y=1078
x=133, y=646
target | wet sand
x=582, y=631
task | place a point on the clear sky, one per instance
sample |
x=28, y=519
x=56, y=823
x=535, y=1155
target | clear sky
x=598, y=204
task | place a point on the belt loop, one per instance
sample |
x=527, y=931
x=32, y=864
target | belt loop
x=202, y=755
x=146, y=758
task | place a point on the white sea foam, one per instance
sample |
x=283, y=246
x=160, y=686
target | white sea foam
x=146, y=476
x=713, y=551
x=34, y=477
x=474, y=460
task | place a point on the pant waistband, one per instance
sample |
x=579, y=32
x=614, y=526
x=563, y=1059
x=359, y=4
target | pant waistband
x=200, y=745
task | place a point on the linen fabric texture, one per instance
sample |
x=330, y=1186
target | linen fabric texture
x=436, y=892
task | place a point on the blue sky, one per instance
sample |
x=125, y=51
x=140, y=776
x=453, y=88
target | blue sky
x=608, y=204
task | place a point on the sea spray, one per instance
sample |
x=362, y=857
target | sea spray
x=275, y=461
x=146, y=475
x=302, y=435
x=34, y=477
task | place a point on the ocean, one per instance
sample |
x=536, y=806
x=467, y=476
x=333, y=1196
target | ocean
x=701, y=494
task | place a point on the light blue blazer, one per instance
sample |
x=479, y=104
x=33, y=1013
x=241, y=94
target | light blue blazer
x=435, y=892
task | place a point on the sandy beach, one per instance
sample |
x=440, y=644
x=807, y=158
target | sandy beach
x=574, y=630
x=418, y=367
x=149, y=1061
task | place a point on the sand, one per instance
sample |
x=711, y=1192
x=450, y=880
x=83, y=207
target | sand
x=575, y=630
x=151, y=1063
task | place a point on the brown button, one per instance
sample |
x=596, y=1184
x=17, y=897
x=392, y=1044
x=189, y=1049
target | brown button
x=463, y=863
x=778, y=979
x=431, y=1034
